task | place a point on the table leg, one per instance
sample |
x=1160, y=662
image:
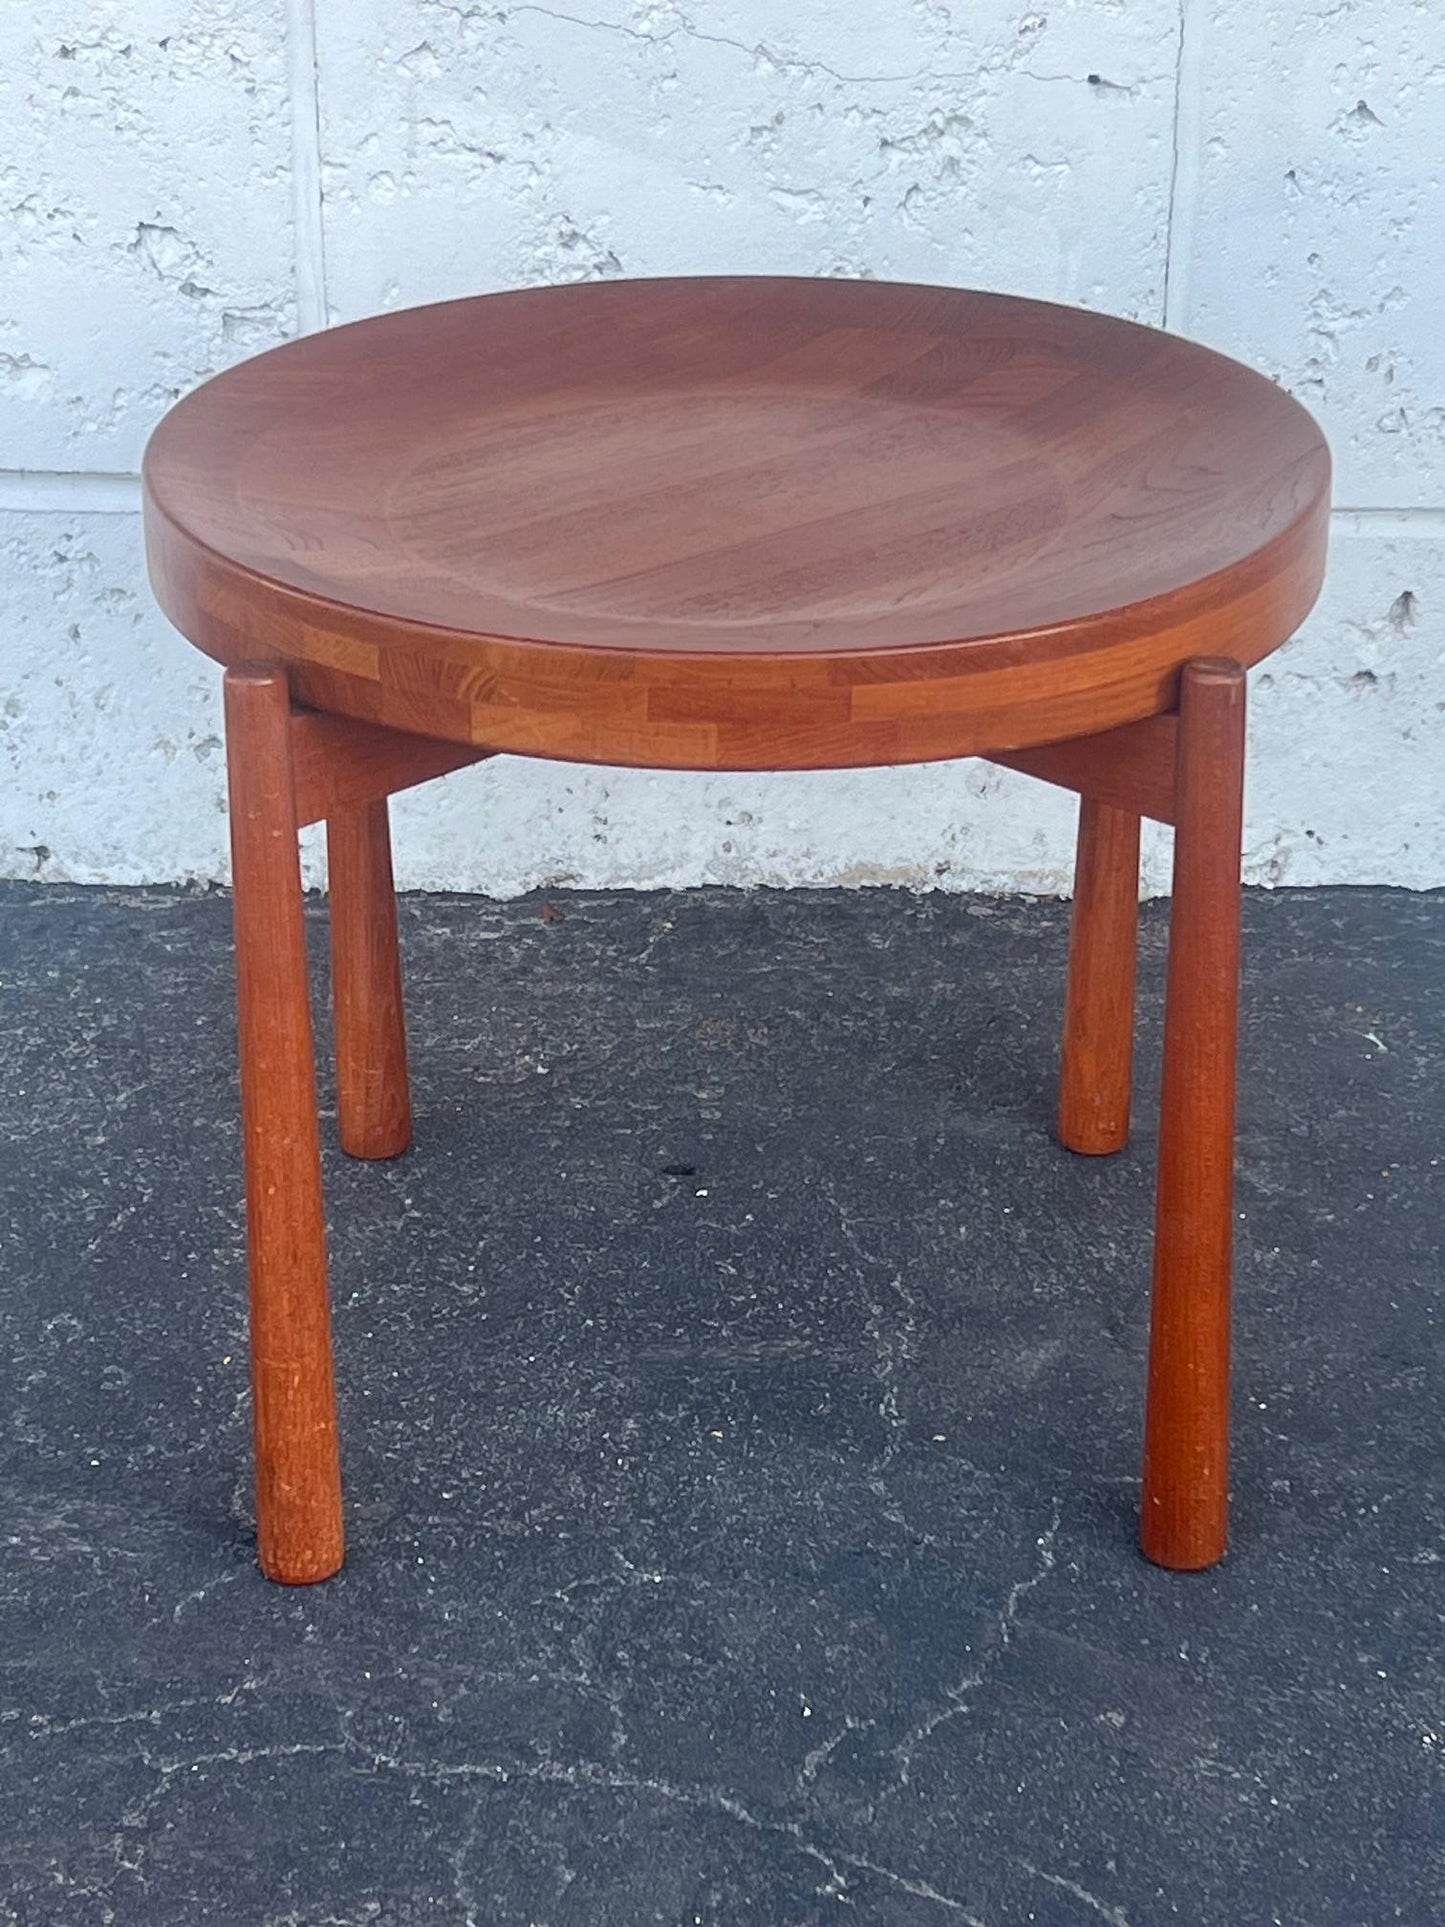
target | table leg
x=1098, y=1054
x=1186, y=1434
x=372, y=1096
x=298, y=1476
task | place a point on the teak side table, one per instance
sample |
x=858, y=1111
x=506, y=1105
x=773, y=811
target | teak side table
x=736, y=524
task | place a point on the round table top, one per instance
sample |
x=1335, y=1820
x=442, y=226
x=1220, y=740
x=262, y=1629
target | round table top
x=738, y=523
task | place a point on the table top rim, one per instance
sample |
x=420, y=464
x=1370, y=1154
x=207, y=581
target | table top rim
x=826, y=640
x=1138, y=617
x=984, y=604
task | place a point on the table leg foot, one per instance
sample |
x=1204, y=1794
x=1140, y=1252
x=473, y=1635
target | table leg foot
x=1186, y=1434
x=298, y=1475
x=373, y=1100
x=1098, y=1053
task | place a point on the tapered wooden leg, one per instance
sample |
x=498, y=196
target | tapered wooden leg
x=298, y=1474
x=1098, y=1056
x=1186, y=1433
x=372, y=1095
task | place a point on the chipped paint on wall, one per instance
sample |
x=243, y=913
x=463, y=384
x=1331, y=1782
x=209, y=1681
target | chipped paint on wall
x=191, y=179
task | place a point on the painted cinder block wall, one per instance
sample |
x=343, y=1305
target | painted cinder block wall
x=188, y=181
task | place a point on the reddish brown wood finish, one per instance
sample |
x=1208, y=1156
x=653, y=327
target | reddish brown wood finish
x=1096, y=1074
x=738, y=524
x=1186, y=1437
x=373, y=1101
x=340, y=764
x=298, y=1473
x=1130, y=769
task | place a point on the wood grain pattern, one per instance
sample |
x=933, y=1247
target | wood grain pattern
x=1186, y=1433
x=1096, y=1075
x=339, y=764
x=298, y=1471
x=372, y=1096
x=1130, y=769
x=738, y=523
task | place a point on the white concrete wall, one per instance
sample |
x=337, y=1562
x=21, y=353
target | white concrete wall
x=184, y=182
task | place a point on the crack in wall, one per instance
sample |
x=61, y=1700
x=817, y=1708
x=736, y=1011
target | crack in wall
x=307, y=200
x=685, y=30
x=1185, y=139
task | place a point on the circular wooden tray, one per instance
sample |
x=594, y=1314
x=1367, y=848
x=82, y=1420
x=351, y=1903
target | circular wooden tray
x=738, y=523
